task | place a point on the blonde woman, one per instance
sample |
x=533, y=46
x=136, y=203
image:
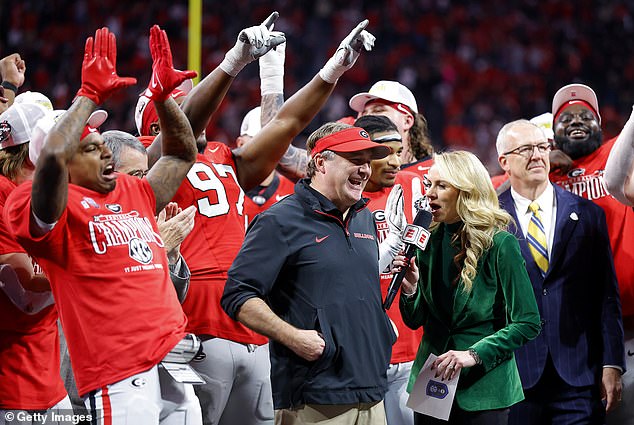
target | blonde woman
x=473, y=297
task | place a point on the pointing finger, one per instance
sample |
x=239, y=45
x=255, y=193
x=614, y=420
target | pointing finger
x=268, y=22
x=362, y=25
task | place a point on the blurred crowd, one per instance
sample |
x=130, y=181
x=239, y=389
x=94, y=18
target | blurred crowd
x=472, y=65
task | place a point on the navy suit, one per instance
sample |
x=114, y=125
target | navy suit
x=578, y=299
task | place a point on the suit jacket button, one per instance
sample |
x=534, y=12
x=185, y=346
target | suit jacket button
x=545, y=291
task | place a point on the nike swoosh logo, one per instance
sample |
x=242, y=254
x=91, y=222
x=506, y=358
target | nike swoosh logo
x=213, y=150
x=153, y=82
x=629, y=353
x=278, y=198
x=320, y=240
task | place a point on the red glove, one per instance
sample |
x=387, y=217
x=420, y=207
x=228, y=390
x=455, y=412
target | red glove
x=164, y=77
x=99, y=77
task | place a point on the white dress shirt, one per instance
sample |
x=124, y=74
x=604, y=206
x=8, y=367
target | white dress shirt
x=547, y=209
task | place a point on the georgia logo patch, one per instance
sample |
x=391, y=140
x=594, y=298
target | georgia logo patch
x=115, y=208
x=140, y=251
x=576, y=172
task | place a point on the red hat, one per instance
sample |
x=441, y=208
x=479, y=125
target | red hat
x=146, y=140
x=351, y=139
x=145, y=112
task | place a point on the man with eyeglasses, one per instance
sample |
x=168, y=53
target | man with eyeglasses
x=579, y=139
x=577, y=359
x=174, y=224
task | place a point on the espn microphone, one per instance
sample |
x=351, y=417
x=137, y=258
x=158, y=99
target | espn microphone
x=415, y=235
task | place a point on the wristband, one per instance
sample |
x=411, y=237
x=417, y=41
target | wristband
x=409, y=295
x=7, y=85
x=475, y=356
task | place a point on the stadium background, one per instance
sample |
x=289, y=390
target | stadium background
x=472, y=65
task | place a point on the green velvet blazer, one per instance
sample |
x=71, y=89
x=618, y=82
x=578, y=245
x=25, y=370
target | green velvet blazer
x=497, y=316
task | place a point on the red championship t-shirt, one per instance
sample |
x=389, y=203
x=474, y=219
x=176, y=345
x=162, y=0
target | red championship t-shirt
x=29, y=343
x=283, y=187
x=212, y=186
x=109, y=273
x=586, y=179
x=404, y=350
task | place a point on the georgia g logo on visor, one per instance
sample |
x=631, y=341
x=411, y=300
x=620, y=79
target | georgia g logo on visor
x=5, y=131
x=364, y=133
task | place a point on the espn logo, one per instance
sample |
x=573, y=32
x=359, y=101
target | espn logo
x=416, y=235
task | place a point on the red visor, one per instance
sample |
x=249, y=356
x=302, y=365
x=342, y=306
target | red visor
x=575, y=102
x=87, y=130
x=350, y=140
x=150, y=116
x=400, y=107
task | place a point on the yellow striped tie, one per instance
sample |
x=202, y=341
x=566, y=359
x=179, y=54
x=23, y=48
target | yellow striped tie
x=537, y=242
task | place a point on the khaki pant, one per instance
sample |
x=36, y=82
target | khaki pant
x=345, y=414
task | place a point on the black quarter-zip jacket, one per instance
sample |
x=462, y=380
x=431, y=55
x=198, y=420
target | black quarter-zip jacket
x=318, y=271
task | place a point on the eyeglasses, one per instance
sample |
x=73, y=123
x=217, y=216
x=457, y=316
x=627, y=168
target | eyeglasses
x=138, y=173
x=527, y=150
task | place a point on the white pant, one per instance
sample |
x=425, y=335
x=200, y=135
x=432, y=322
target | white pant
x=238, y=388
x=30, y=417
x=623, y=414
x=147, y=398
x=396, y=411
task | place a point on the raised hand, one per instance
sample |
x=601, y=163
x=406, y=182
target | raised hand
x=164, y=77
x=396, y=222
x=252, y=43
x=394, y=211
x=99, y=77
x=12, y=69
x=347, y=53
x=272, y=70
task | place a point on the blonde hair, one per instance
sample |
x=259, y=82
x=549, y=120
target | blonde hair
x=477, y=206
x=13, y=159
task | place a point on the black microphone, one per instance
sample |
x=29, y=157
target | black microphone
x=415, y=235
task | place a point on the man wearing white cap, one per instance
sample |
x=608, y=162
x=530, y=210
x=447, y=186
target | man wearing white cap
x=577, y=130
x=30, y=354
x=272, y=189
x=394, y=100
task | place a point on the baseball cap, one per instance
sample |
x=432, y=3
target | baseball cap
x=34, y=97
x=351, y=139
x=17, y=123
x=545, y=122
x=251, y=123
x=145, y=112
x=573, y=92
x=46, y=123
x=392, y=91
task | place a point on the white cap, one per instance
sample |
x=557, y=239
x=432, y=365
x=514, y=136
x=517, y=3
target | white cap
x=392, y=91
x=545, y=122
x=17, y=122
x=251, y=123
x=34, y=97
x=144, y=100
x=576, y=92
x=46, y=123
